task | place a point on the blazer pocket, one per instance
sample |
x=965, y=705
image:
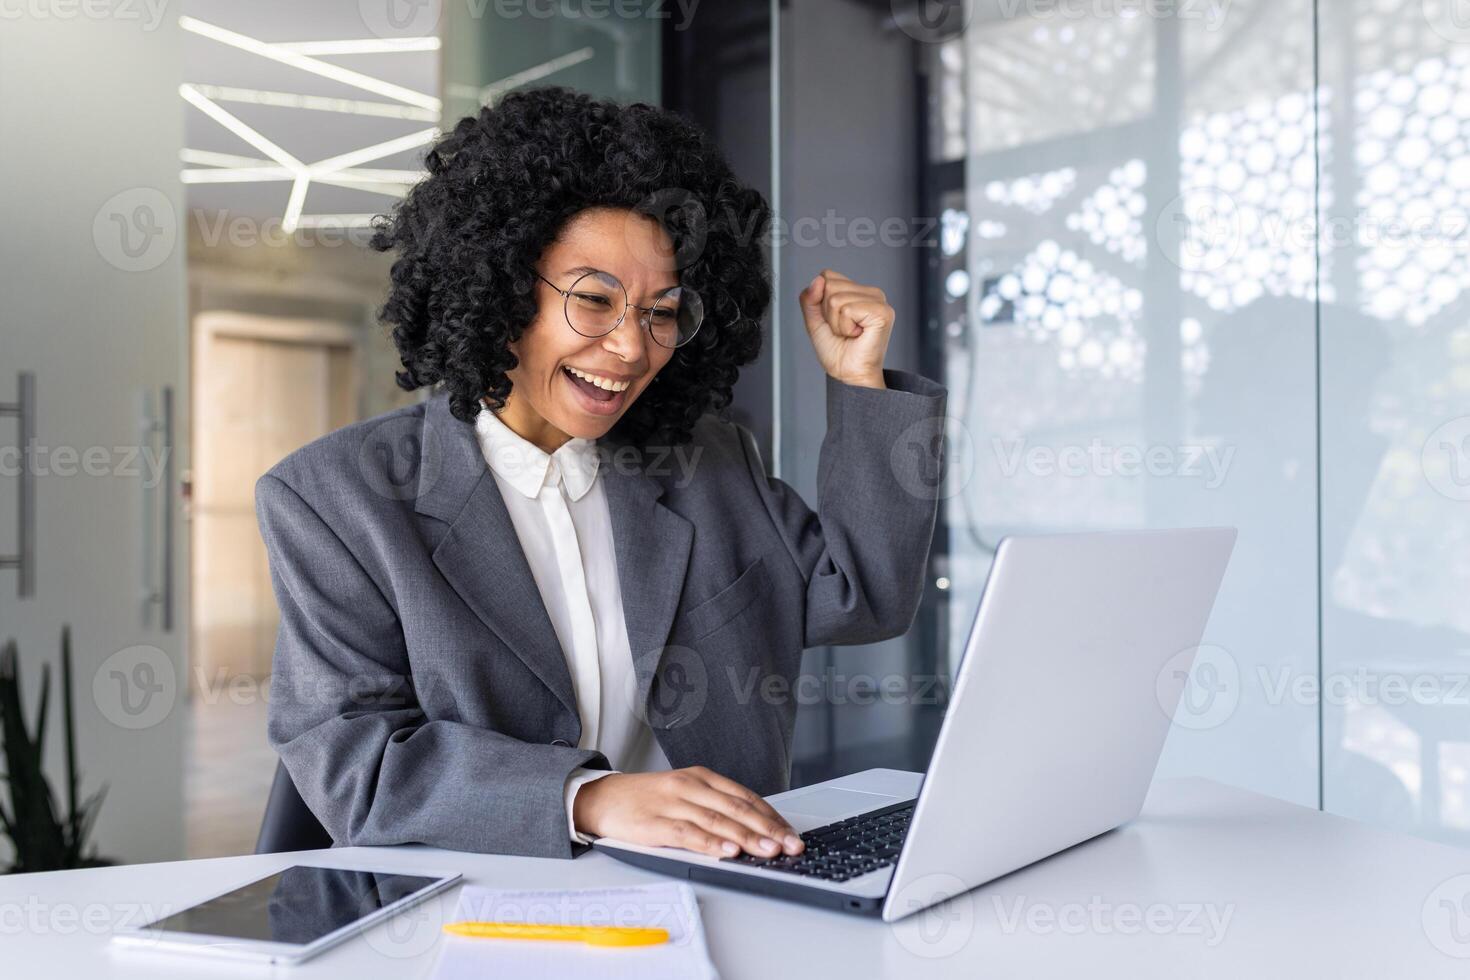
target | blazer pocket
x=749, y=586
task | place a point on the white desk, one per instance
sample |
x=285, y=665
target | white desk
x=1209, y=882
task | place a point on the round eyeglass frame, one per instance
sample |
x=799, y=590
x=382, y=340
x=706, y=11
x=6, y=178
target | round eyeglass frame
x=645, y=318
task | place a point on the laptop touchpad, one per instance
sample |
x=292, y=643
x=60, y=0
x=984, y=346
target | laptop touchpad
x=834, y=803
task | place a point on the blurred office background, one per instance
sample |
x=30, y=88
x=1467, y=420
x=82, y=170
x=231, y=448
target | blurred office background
x=1178, y=265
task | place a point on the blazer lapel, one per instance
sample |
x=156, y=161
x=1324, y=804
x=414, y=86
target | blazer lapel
x=481, y=555
x=653, y=546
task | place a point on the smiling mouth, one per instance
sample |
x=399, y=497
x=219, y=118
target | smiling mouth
x=598, y=394
x=598, y=381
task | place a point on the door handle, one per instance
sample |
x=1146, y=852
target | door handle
x=23, y=409
x=159, y=589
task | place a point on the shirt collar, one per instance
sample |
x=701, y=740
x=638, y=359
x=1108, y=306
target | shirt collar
x=527, y=467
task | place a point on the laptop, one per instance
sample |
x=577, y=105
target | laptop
x=1080, y=650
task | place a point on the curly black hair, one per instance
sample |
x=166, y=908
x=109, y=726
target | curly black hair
x=500, y=188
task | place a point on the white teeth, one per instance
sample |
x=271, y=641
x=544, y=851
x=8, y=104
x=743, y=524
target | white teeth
x=606, y=384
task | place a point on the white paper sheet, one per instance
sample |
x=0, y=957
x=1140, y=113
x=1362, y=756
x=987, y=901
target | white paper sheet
x=670, y=906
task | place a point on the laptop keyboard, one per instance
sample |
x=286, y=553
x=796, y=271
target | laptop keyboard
x=844, y=849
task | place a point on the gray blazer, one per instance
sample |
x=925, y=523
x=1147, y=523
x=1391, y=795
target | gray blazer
x=419, y=693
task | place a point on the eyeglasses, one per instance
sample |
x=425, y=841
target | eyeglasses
x=597, y=302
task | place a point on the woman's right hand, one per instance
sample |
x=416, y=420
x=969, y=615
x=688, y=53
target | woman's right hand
x=696, y=809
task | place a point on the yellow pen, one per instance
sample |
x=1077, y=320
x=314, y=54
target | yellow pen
x=591, y=935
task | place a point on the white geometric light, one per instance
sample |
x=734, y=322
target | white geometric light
x=339, y=170
x=367, y=45
x=320, y=103
x=488, y=94
x=286, y=56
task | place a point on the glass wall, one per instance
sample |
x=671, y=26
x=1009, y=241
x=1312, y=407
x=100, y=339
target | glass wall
x=1129, y=342
x=492, y=49
x=1209, y=269
x=1395, y=419
x=1192, y=272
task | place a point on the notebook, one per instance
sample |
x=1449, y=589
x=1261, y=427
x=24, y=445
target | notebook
x=666, y=905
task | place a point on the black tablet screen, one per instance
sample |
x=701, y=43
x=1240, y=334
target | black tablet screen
x=298, y=905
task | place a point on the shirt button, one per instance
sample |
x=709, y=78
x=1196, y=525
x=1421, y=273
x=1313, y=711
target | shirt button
x=561, y=742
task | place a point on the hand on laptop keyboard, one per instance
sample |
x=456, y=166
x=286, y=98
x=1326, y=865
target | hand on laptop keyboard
x=696, y=809
x=844, y=849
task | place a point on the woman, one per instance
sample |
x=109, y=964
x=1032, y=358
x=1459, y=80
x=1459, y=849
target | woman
x=560, y=598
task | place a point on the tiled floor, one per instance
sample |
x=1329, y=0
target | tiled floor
x=227, y=774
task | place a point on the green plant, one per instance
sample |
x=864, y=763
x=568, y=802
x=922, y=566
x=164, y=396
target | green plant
x=43, y=840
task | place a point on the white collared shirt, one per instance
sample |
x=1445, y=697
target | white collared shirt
x=559, y=510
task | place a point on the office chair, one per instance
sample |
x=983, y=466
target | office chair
x=288, y=824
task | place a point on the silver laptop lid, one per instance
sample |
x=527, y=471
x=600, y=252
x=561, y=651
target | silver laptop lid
x=1057, y=718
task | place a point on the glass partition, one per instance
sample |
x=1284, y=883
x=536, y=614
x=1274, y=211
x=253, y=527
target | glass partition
x=1395, y=419
x=608, y=51
x=1210, y=268
x=1125, y=318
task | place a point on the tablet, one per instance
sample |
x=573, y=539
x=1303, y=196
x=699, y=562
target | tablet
x=289, y=916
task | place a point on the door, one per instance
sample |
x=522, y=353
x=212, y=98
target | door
x=263, y=386
x=92, y=306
